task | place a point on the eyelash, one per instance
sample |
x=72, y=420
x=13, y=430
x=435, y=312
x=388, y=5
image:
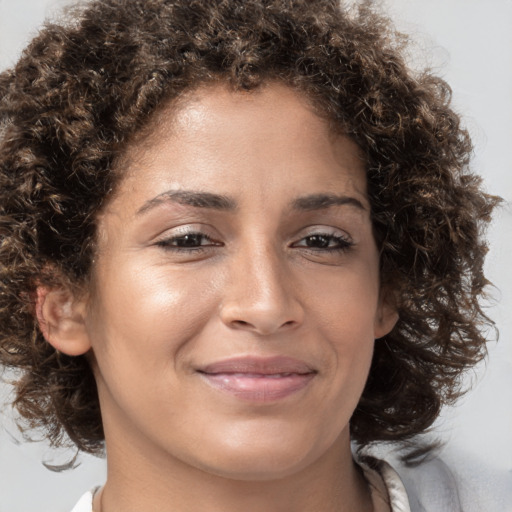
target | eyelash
x=168, y=242
x=342, y=243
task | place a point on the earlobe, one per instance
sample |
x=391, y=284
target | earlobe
x=387, y=316
x=61, y=318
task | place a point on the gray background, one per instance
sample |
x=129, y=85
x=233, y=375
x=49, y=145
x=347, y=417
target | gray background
x=469, y=42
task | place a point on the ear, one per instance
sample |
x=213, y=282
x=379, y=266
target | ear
x=61, y=318
x=387, y=314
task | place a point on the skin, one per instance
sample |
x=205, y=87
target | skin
x=268, y=274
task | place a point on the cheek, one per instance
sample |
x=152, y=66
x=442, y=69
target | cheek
x=143, y=315
x=345, y=309
x=345, y=301
x=143, y=322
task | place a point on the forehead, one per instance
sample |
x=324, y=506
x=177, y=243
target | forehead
x=216, y=138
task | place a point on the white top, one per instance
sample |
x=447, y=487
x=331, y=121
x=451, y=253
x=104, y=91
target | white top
x=85, y=503
x=387, y=489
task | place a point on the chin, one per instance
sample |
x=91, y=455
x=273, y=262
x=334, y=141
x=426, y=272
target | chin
x=257, y=469
x=263, y=458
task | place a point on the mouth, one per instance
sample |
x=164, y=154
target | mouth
x=258, y=379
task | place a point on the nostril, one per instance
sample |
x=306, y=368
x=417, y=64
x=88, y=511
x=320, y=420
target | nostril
x=241, y=323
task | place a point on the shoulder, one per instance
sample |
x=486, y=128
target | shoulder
x=427, y=487
x=85, y=503
x=474, y=483
x=431, y=486
x=455, y=481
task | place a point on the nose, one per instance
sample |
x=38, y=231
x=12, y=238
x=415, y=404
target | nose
x=261, y=294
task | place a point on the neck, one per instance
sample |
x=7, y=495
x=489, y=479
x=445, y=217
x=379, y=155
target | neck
x=146, y=480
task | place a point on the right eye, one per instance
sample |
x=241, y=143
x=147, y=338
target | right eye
x=189, y=240
x=193, y=241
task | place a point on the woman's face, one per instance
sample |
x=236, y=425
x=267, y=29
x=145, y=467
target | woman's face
x=235, y=296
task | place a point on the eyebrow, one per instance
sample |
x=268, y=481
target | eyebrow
x=322, y=201
x=191, y=198
x=221, y=202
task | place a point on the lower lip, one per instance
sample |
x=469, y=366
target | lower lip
x=258, y=387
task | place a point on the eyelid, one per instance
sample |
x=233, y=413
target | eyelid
x=343, y=240
x=169, y=237
x=320, y=229
x=168, y=242
x=178, y=232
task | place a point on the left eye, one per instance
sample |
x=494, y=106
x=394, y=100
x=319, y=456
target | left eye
x=324, y=241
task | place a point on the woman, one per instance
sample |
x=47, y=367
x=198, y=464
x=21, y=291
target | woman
x=236, y=236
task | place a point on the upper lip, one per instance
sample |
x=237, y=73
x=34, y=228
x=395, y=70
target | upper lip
x=258, y=365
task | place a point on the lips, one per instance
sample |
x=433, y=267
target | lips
x=258, y=379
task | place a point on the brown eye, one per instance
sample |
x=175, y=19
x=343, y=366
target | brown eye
x=191, y=241
x=318, y=241
x=325, y=241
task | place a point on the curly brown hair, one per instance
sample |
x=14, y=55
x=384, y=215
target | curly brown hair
x=84, y=88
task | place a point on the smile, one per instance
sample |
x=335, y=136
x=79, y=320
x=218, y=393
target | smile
x=258, y=379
